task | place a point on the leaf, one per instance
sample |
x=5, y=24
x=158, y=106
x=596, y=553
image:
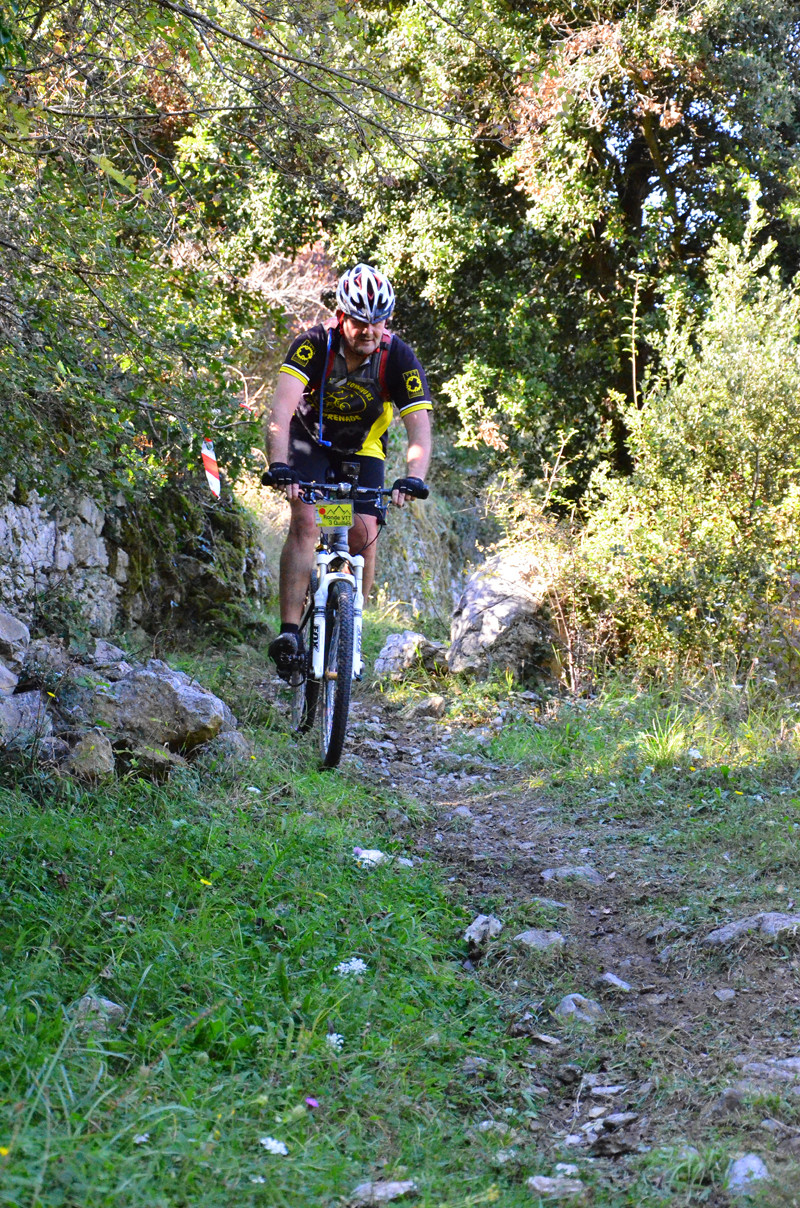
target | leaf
x=105, y=165
x=283, y=980
x=21, y=118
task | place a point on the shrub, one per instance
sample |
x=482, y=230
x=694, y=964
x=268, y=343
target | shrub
x=695, y=554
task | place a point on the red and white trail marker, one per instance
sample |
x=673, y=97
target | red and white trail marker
x=211, y=468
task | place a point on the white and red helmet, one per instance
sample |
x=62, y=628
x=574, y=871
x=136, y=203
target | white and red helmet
x=365, y=294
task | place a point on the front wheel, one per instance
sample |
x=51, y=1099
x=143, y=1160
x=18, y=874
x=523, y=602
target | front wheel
x=337, y=676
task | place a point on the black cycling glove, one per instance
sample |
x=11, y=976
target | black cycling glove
x=411, y=486
x=279, y=475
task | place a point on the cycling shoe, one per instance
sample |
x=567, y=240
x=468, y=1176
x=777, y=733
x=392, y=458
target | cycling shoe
x=289, y=657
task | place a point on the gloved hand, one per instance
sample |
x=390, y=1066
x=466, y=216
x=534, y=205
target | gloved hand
x=411, y=486
x=279, y=475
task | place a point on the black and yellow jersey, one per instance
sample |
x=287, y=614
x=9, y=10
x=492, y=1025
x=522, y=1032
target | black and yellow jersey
x=356, y=406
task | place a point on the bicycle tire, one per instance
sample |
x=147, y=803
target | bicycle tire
x=306, y=695
x=338, y=672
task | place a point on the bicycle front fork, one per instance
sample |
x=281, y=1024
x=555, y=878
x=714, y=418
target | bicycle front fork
x=324, y=578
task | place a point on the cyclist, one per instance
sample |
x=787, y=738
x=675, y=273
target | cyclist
x=333, y=403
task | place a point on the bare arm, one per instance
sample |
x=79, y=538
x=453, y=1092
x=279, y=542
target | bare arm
x=418, y=427
x=285, y=400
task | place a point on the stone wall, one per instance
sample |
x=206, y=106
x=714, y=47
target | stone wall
x=94, y=554
x=48, y=548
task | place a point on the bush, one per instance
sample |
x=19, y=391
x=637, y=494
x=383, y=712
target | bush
x=695, y=555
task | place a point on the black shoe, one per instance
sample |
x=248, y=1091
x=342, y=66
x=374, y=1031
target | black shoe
x=289, y=657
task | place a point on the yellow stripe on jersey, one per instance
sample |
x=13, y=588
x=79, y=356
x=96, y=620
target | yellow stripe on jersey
x=372, y=446
x=302, y=377
x=416, y=407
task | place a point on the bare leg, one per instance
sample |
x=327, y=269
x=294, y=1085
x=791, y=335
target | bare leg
x=297, y=561
x=363, y=541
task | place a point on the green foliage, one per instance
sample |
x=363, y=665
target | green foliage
x=695, y=554
x=608, y=144
x=147, y=155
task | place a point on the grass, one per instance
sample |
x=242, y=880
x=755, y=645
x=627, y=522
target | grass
x=215, y=916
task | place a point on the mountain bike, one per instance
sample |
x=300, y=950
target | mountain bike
x=331, y=624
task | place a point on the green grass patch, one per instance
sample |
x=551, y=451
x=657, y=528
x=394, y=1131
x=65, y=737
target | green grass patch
x=216, y=917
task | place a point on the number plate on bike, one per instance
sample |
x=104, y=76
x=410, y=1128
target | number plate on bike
x=334, y=515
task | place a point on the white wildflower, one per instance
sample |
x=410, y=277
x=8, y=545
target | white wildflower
x=257, y=1178
x=335, y=1040
x=252, y=789
x=141, y=1138
x=694, y=753
x=273, y=1146
x=354, y=965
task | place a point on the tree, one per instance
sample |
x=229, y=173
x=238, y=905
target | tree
x=150, y=150
x=610, y=143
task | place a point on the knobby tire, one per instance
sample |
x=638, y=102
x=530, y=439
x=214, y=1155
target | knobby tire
x=338, y=674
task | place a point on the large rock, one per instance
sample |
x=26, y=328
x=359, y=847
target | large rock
x=14, y=637
x=404, y=651
x=743, y=1172
x=24, y=718
x=500, y=619
x=8, y=680
x=156, y=705
x=92, y=757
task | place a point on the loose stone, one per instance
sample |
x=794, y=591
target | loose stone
x=482, y=928
x=579, y=1009
x=558, y=1188
x=574, y=872
x=745, y=1171
x=540, y=941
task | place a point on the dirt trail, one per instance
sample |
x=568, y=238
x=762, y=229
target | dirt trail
x=673, y=1043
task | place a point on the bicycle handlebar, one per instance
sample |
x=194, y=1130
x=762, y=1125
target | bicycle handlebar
x=346, y=490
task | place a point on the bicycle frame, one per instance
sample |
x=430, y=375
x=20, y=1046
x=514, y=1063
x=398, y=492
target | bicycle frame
x=330, y=661
x=333, y=548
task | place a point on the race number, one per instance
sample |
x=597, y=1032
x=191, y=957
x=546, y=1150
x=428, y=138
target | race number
x=334, y=515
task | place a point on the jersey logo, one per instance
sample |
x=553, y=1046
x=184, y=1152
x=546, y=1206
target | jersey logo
x=349, y=402
x=413, y=383
x=304, y=353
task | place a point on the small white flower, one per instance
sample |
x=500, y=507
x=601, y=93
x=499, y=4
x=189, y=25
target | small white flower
x=694, y=753
x=335, y=1040
x=257, y=1178
x=141, y=1138
x=354, y=965
x=273, y=1146
x=252, y=789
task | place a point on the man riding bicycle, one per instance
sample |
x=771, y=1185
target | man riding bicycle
x=333, y=404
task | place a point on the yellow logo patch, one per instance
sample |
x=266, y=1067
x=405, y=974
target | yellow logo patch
x=413, y=383
x=304, y=353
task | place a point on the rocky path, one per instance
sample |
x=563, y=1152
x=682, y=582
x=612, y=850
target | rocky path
x=687, y=1044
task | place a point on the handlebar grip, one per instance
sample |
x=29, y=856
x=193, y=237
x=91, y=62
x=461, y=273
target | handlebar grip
x=423, y=493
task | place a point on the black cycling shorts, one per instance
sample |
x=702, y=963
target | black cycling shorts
x=312, y=463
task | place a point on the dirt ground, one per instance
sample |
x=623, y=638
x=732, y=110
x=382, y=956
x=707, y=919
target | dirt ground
x=663, y=1067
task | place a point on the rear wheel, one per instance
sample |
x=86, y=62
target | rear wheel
x=304, y=701
x=338, y=672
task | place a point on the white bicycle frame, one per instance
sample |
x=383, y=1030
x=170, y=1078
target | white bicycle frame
x=325, y=577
